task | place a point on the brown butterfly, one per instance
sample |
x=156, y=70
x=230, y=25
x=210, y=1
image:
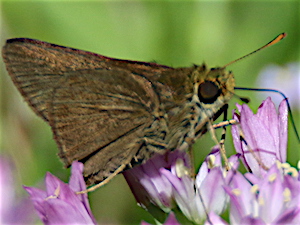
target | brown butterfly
x=112, y=114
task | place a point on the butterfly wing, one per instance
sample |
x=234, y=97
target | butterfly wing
x=96, y=106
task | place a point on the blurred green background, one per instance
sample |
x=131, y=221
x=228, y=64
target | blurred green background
x=173, y=33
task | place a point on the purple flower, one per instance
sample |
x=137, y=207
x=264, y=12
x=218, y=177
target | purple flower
x=166, y=181
x=197, y=197
x=284, y=78
x=13, y=210
x=265, y=134
x=60, y=204
x=149, y=186
x=274, y=199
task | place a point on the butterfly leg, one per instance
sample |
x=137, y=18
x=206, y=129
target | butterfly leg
x=221, y=143
x=226, y=123
x=93, y=188
x=223, y=125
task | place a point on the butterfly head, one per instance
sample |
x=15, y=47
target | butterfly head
x=213, y=86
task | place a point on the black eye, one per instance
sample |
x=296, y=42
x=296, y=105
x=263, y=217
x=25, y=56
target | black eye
x=208, y=92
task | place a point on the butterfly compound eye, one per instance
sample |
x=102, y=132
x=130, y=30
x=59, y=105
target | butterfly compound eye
x=208, y=92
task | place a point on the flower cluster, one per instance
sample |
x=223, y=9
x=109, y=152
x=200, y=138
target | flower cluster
x=273, y=199
x=269, y=193
x=163, y=186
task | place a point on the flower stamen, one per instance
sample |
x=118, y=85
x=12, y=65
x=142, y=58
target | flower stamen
x=254, y=189
x=292, y=171
x=287, y=195
x=55, y=195
x=236, y=192
x=272, y=177
x=181, y=169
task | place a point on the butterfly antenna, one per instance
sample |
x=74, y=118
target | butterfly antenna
x=285, y=98
x=274, y=41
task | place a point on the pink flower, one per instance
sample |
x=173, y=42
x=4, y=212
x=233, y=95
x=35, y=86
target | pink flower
x=60, y=204
x=165, y=181
x=265, y=134
x=285, y=78
x=205, y=194
x=13, y=209
x=151, y=188
x=273, y=199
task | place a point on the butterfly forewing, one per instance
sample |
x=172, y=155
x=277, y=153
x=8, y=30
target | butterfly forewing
x=110, y=113
x=97, y=108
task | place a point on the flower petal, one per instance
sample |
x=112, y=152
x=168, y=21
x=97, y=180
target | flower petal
x=214, y=219
x=283, y=130
x=60, y=204
x=265, y=134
